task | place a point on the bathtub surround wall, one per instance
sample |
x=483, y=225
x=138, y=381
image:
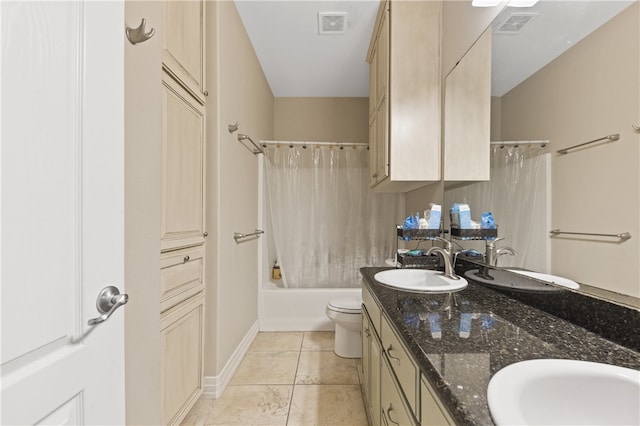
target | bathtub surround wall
x=591, y=91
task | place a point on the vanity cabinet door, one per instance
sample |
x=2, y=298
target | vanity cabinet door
x=183, y=155
x=183, y=44
x=371, y=351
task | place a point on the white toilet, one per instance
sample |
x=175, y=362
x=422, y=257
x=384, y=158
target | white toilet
x=346, y=313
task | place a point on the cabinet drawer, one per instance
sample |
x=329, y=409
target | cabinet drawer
x=401, y=363
x=372, y=308
x=181, y=276
x=393, y=409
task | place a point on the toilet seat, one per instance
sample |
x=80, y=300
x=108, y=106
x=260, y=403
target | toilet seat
x=346, y=305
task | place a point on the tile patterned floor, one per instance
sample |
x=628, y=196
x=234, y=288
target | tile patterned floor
x=287, y=378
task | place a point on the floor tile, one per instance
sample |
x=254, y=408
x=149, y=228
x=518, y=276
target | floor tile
x=277, y=341
x=335, y=405
x=318, y=341
x=265, y=368
x=200, y=412
x=326, y=368
x=252, y=405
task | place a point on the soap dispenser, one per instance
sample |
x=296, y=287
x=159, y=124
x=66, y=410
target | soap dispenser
x=275, y=272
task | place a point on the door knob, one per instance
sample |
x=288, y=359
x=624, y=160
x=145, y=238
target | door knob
x=109, y=299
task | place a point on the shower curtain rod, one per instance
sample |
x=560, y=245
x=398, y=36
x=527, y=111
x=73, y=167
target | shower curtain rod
x=517, y=143
x=305, y=144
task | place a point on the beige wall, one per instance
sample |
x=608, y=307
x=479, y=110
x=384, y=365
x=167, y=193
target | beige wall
x=322, y=119
x=238, y=91
x=589, y=92
x=143, y=162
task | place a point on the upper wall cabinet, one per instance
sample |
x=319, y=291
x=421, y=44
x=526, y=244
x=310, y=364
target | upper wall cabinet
x=404, y=120
x=467, y=115
x=183, y=44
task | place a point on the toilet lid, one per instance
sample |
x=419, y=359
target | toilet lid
x=346, y=305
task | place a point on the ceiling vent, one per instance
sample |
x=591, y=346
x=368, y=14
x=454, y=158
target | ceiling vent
x=514, y=24
x=332, y=23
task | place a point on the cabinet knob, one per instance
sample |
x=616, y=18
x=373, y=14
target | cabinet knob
x=205, y=234
x=186, y=258
x=206, y=93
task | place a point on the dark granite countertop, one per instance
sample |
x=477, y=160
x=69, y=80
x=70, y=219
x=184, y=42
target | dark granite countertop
x=503, y=331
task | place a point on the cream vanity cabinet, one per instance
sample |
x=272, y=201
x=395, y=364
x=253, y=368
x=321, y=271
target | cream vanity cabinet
x=405, y=95
x=394, y=389
x=183, y=44
x=467, y=115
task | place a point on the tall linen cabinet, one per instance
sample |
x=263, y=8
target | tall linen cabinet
x=183, y=232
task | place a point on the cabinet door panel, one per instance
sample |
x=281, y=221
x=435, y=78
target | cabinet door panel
x=467, y=121
x=182, y=358
x=183, y=43
x=183, y=168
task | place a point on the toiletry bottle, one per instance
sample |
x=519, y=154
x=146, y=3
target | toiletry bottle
x=275, y=272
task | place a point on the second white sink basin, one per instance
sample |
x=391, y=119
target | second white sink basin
x=419, y=280
x=564, y=392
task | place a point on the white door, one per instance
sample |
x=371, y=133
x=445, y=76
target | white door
x=62, y=222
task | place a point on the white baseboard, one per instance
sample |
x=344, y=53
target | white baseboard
x=215, y=385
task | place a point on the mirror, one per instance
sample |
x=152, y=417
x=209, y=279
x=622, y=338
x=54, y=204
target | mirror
x=571, y=87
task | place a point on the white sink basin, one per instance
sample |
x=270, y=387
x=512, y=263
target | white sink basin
x=419, y=280
x=564, y=392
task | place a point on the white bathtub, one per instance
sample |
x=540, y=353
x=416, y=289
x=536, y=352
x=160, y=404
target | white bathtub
x=299, y=309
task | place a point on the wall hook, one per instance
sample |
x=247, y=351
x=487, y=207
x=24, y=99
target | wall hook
x=233, y=127
x=138, y=35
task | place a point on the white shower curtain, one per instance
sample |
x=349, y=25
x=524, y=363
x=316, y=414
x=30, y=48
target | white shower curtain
x=326, y=223
x=510, y=195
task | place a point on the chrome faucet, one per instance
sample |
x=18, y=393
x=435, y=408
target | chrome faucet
x=492, y=252
x=446, y=256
